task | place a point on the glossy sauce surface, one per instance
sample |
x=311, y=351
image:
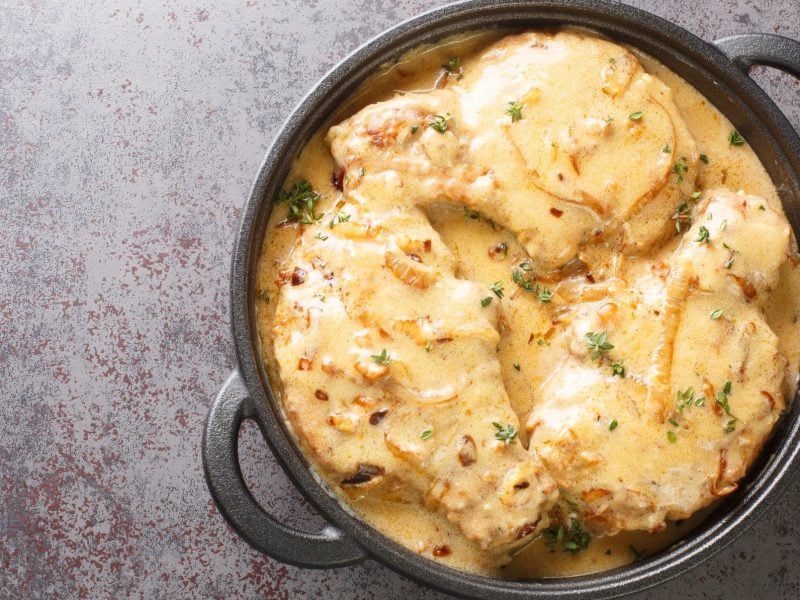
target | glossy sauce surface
x=531, y=345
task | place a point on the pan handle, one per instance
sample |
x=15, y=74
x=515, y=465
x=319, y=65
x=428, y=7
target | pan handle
x=327, y=548
x=748, y=49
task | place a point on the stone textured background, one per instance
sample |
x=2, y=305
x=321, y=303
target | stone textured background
x=129, y=135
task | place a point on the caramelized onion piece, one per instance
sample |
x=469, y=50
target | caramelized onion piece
x=377, y=416
x=527, y=529
x=410, y=271
x=467, y=451
x=659, y=392
x=721, y=487
x=366, y=472
x=298, y=276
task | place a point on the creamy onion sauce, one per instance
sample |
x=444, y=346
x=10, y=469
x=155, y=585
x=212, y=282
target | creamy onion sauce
x=736, y=168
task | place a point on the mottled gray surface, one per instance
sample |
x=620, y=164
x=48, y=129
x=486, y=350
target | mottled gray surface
x=129, y=134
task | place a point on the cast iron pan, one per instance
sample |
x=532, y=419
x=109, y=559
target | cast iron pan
x=719, y=71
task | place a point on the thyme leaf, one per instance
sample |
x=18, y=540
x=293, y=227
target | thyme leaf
x=735, y=139
x=597, y=344
x=383, y=358
x=514, y=110
x=302, y=200
x=505, y=434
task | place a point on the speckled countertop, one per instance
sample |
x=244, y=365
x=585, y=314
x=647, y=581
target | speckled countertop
x=129, y=134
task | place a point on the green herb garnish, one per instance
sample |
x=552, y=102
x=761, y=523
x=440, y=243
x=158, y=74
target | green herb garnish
x=682, y=216
x=529, y=284
x=723, y=398
x=702, y=236
x=703, y=159
x=553, y=537
x=453, y=67
x=383, y=358
x=505, y=434
x=613, y=425
x=572, y=539
x=717, y=314
x=544, y=295
x=438, y=123
x=635, y=116
x=731, y=255
x=514, y=110
x=486, y=301
x=497, y=288
x=597, y=344
x=302, y=199
x=681, y=168
x=685, y=398
x=339, y=217
x=426, y=435
x=735, y=138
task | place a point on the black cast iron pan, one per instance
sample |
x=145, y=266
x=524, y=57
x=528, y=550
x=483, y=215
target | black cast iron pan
x=719, y=71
